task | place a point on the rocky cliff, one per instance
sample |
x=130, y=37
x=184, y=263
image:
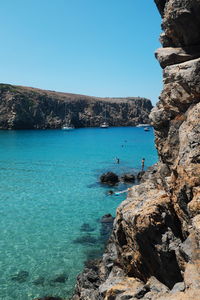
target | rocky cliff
x=154, y=251
x=30, y=108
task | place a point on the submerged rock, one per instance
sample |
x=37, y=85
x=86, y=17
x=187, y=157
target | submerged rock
x=39, y=281
x=86, y=227
x=109, y=178
x=20, y=277
x=85, y=240
x=61, y=278
x=108, y=218
x=94, y=254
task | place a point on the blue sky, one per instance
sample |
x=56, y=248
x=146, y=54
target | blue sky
x=92, y=47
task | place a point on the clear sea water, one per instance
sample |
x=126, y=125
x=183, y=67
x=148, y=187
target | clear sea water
x=48, y=189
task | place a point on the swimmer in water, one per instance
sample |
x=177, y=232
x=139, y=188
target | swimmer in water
x=118, y=193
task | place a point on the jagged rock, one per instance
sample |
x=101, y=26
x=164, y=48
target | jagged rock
x=161, y=6
x=156, y=286
x=109, y=178
x=177, y=15
x=185, y=249
x=30, y=108
x=170, y=56
x=178, y=287
x=108, y=218
x=128, y=178
x=87, y=282
x=140, y=174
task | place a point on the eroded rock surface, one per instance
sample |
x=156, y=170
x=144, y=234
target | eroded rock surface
x=30, y=108
x=155, y=251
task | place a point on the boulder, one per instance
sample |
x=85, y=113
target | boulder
x=140, y=174
x=109, y=178
x=128, y=177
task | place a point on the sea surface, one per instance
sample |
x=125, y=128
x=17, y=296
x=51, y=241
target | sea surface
x=51, y=202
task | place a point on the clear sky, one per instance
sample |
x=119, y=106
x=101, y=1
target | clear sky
x=92, y=47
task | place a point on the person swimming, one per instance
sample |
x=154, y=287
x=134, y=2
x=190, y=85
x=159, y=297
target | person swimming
x=118, y=193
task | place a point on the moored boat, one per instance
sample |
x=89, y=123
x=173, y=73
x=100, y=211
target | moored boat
x=104, y=125
x=143, y=125
x=68, y=127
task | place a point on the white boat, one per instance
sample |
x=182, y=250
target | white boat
x=68, y=127
x=143, y=125
x=146, y=129
x=104, y=125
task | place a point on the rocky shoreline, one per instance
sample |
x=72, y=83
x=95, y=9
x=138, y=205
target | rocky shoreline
x=31, y=108
x=154, y=250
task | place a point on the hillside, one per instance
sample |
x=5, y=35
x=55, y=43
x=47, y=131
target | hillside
x=31, y=108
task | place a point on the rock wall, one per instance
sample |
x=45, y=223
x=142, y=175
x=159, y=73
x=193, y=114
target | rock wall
x=29, y=108
x=154, y=251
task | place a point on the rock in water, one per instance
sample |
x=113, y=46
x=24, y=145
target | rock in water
x=85, y=227
x=109, y=178
x=85, y=239
x=128, y=178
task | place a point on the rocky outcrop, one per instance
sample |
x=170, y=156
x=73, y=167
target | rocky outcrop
x=109, y=178
x=155, y=251
x=29, y=108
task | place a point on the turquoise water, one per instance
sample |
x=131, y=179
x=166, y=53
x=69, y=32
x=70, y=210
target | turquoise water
x=48, y=189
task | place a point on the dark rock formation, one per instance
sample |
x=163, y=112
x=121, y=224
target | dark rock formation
x=61, y=278
x=140, y=174
x=109, y=178
x=128, y=178
x=30, y=108
x=85, y=240
x=154, y=250
x=85, y=227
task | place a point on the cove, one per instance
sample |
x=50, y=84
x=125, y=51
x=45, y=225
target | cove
x=51, y=202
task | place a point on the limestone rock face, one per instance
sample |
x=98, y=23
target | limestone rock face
x=156, y=231
x=29, y=108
